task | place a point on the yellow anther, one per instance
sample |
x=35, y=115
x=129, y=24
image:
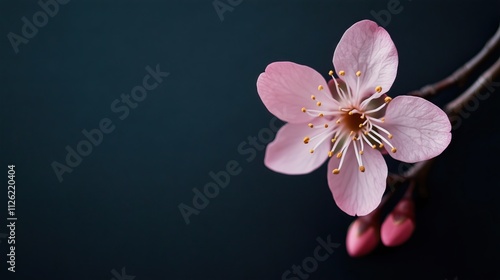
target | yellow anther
x=313, y=97
x=318, y=103
x=339, y=155
x=326, y=125
x=334, y=139
x=361, y=168
x=354, y=138
x=351, y=133
x=310, y=125
x=358, y=73
x=378, y=89
x=394, y=150
x=336, y=171
x=330, y=73
x=320, y=87
x=311, y=151
x=320, y=115
x=351, y=113
x=361, y=152
x=382, y=119
x=365, y=133
x=374, y=146
x=387, y=99
x=338, y=121
x=362, y=116
x=303, y=110
x=381, y=145
x=341, y=72
x=330, y=154
x=360, y=125
x=389, y=136
x=306, y=140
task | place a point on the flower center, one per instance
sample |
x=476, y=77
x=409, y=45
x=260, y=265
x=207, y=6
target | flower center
x=353, y=121
x=348, y=122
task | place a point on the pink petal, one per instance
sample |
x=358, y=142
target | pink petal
x=286, y=87
x=368, y=48
x=288, y=154
x=356, y=192
x=420, y=129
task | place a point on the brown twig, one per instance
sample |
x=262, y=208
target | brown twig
x=485, y=81
x=461, y=74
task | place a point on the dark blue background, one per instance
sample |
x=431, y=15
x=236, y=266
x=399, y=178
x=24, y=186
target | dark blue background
x=119, y=207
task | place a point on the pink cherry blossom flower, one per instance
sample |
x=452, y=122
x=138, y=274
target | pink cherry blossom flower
x=350, y=119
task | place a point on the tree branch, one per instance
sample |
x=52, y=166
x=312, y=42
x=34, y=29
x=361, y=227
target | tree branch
x=461, y=74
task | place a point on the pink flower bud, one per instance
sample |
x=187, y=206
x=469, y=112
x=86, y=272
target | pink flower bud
x=363, y=235
x=399, y=224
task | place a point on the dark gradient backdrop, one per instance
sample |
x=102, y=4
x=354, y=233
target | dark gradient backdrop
x=116, y=214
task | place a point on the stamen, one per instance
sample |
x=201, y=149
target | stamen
x=319, y=103
x=321, y=115
x=389, y=136
x=374, y=139
x=313, y=97
x=376, y=109
x=339, y=155
x=378, y=89
x=326, y=126
x=361, y=168
x=303, y=110
x=306, y=140
x=330, y=73
x=344, y=151
x=311, y=151
x=387, y=99
x=320, y=87
x=336, y=171
x=341, y=72
x=383, y=139
x=394, y=150
x=310, y=125
x=358, y=73
x=356, y=153
x=330, y=153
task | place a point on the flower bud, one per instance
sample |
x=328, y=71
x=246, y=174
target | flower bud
x=363, y=235
x=399, y=225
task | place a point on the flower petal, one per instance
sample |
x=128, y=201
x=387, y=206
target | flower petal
x=286, y=87
x=420, y=129
x=356, y=192
x=368, y=48
x=288, y=154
